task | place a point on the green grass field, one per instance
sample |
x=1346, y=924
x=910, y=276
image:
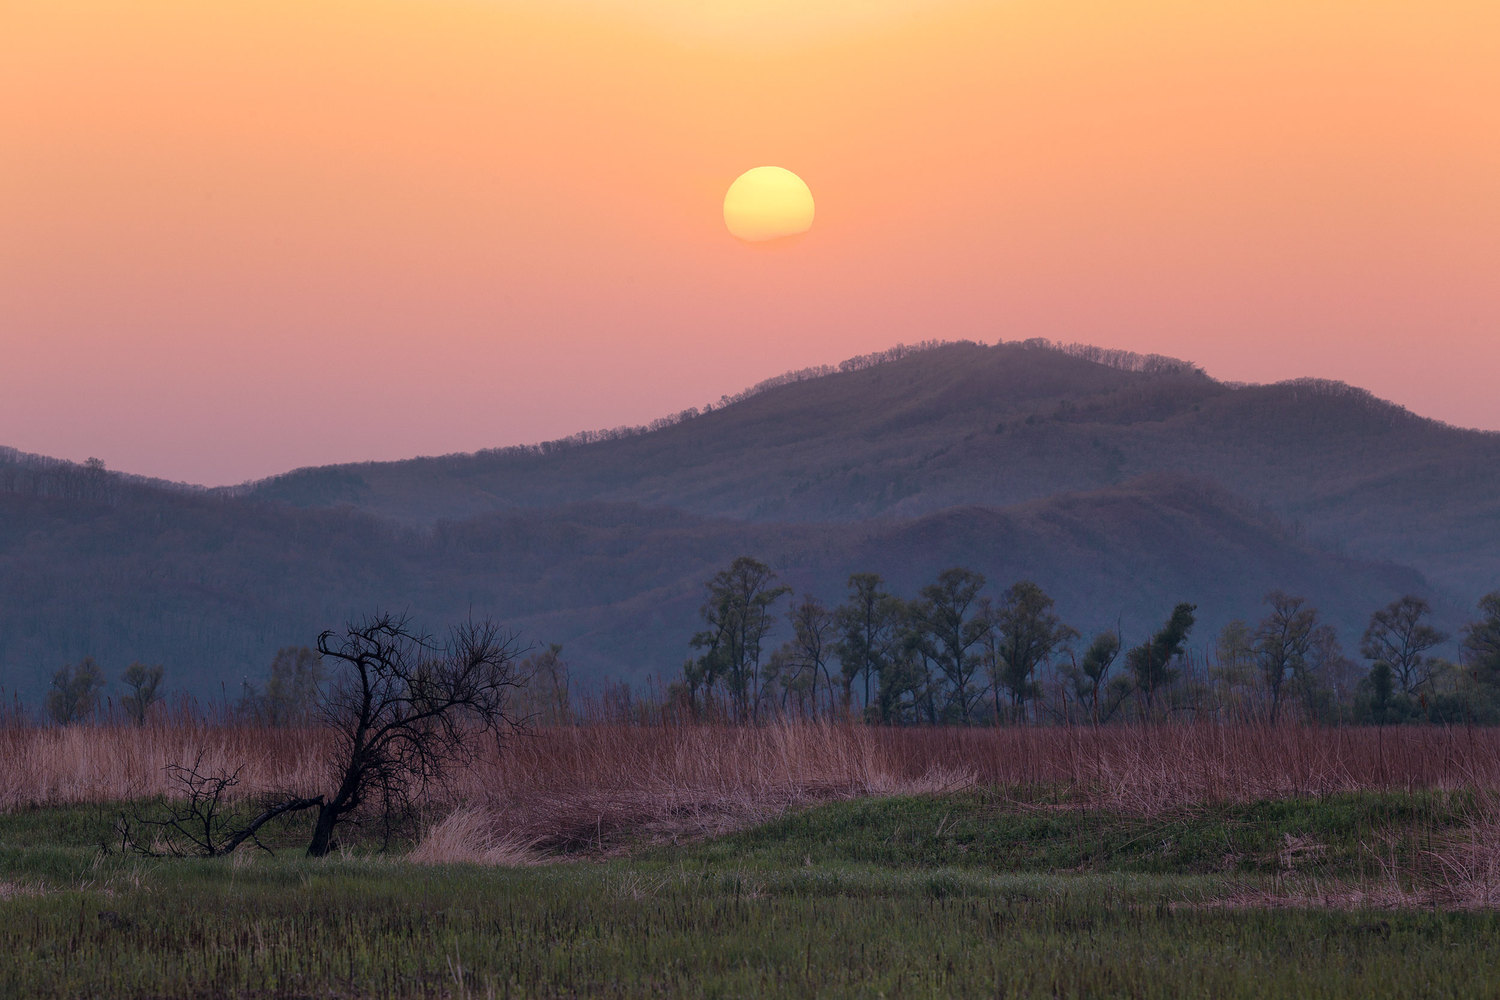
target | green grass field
x=961, y=895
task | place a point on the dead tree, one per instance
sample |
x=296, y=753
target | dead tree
x=200, y=823
x=404, y=710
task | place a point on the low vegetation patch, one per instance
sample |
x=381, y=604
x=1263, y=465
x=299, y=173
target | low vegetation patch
x=1364, y=836
x=982, y=892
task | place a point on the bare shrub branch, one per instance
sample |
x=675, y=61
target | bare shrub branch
x=200, y=823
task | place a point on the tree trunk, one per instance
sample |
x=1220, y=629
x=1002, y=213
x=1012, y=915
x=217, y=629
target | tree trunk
x=248, y=833
x=323, y=833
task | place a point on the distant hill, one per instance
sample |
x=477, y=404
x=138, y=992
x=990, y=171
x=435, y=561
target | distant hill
x=965, y=424
x=1121, y=484
x=213, y=586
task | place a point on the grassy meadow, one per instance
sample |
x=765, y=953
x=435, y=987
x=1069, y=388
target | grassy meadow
x=792, y=860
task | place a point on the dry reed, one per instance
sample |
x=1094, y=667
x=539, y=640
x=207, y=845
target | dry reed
x=580, y=785
x=59, y=765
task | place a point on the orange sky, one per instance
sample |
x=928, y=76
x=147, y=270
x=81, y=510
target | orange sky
x=238, y=237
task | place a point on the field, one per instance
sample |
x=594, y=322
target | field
x=785, y=861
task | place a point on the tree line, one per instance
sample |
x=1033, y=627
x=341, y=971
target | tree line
x=287, y=697
x=294, y=687
x=954, y=654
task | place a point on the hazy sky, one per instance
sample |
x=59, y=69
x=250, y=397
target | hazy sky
x=238, y=236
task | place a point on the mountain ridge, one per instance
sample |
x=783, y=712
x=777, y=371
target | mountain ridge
x=1121, y=490
x=964, y=423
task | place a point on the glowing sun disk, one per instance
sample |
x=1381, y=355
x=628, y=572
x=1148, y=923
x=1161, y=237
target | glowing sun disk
x=767, y=203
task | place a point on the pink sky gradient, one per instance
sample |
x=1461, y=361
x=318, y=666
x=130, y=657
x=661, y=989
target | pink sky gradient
x=236, y=238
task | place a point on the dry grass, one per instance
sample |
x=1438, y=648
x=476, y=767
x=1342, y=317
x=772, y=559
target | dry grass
x=470, y=836
x=578, y=786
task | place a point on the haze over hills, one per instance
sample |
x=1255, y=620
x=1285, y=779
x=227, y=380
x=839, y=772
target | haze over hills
x=1120, y=484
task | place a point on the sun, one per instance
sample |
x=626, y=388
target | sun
x=768, y=203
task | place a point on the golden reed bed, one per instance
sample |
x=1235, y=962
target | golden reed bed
x=568, y=783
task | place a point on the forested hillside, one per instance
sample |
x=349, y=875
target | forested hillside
x=923, y=430
x=1121, y=485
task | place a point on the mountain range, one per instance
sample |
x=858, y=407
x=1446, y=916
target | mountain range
x=1122, y=484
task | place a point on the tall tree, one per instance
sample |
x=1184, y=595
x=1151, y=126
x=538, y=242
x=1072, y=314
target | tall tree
x=1328, y=678
x=75, y=692
x=1151, y=662
x=1234, y=671
x=1386, y=704
x=145, y=690
x=913, y=668
x=869, y=624
x=1282, y=641
x=804, y=659
x=738, y=615
x=905, y=693
x=1026, y=633
x=1482, y=642
x=948, y=609
x=545, y=699
x=1399, y=635
x=1090, y=677
x=294, y=683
